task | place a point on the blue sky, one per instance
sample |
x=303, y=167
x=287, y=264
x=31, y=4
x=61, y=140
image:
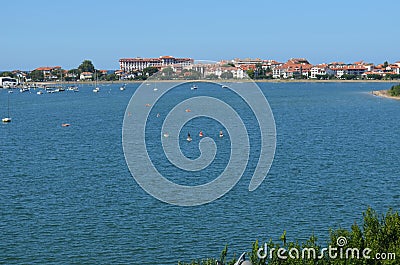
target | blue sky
x=46, y=33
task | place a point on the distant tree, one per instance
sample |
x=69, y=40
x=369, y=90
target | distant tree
x=140, y=77
x=36, y=75
x=194, y=75
x=149, y=71
x=168, y=71
x=303, y=76
x=374, y=76
x=349, y=76
x=95, y=75
x=269, y=76
x=7, y=74
x=73, y=75
x=385, y=64
x=57, y=73
x=332, y=76
x=86, y=66
x=101, y=76
x=250, y=73
x=393, y=76
x=322, y=77
x=74, y=72
x=229, y=65
x=227, y=75
x=259, y=72
x=395, y=91
x=212, y=76
x=111, y=77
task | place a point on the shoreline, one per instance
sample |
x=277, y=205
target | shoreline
x=384, y=94
x=220, y=81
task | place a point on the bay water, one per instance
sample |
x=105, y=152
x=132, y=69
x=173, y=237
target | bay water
x=67, y=195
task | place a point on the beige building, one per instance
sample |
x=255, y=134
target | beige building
x=133, y=64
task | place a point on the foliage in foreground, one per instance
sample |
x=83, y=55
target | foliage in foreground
x=380, y=234
x=394, y=91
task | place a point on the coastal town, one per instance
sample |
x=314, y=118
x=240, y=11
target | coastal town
x=294, y=68
x=140, y=69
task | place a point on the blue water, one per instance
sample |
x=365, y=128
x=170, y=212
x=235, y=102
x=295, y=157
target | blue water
x=67, y=196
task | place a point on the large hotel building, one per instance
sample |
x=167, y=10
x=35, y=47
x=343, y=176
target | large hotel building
x=132, y=64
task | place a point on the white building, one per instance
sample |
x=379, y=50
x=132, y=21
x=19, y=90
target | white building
x=133, y=64
x=320, y=70
x=86, y=75
x=277, y=72
x=237, y=72
x=6, y=82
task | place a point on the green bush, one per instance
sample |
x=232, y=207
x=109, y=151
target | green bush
x=395, y=91
x=380, y=234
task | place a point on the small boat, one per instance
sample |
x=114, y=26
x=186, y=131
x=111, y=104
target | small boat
x=165, y=135
x=65, y=125
x=49, y=89
x=155, y=89
x=96, y=88
x=201, y=134
x=122, y=88
x=73, y=88
x=7, y=119
x=189, y=139
x=221, y=134
x=10, y=91
x=224, y=86
x=22, y=90
x=193, y=87
x=39, y=92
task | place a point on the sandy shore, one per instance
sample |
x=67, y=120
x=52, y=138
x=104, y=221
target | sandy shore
x=384, y=94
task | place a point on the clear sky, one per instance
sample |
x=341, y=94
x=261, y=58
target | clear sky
x=46, y=33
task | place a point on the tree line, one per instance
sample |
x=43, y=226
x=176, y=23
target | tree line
x=71, y=75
